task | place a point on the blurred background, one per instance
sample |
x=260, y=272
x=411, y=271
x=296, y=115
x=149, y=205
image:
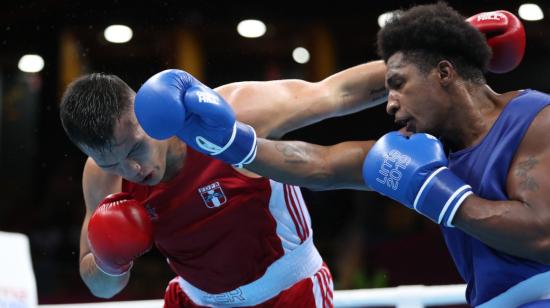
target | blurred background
x=367, y=240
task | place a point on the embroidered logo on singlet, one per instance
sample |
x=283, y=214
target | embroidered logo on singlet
x=212, y=195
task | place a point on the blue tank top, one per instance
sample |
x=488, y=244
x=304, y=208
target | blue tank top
x=489, y=272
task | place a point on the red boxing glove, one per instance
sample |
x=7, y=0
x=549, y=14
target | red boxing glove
x=506, y=37
x=119, y=231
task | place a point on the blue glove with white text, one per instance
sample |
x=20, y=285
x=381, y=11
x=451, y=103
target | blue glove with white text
x=413, y=170
x=174, y=103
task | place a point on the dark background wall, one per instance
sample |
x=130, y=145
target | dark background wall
x=367, y=240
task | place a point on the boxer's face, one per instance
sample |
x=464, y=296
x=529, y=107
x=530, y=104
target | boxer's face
x=133, y=155
x=416, y=99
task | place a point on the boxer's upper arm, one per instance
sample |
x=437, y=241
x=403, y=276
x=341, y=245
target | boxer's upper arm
x=529, y=183
x=528, y=178
x=96, y=184
x=274, y=108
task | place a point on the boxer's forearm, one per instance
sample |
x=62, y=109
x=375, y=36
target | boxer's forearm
x=311, y=166
x=509, y=226
x=100, y=284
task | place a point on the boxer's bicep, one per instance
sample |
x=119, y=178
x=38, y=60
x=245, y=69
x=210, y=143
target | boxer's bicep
x=529, y=182
x=276, y=107
x=96, y=184
x=528, y=178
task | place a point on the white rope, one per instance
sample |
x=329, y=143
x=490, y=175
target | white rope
x=416, y=296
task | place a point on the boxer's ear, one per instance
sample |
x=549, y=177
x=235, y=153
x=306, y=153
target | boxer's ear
x=446, y=72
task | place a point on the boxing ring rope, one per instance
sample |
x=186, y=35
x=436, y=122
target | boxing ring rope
x=414, y=296
x=18, y=287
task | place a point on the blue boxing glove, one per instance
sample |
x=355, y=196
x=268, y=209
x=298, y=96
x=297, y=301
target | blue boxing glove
x=174, y=103
x=413, y=170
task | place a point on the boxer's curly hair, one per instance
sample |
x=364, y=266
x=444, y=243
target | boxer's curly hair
x=427, y=34
x=91, y=106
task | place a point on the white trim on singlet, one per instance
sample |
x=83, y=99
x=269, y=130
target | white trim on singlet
x=323, y=288
x=531, y=289
x=301, y=263
x=288, y=209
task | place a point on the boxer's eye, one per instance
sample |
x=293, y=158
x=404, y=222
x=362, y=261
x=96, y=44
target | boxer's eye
x=110, y=166
x=394, y=83
x=135, y=149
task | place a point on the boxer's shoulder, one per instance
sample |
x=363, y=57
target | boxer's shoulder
x=97, y=184
x=534, y=141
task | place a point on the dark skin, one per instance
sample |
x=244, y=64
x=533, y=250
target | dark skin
x=460, y=112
